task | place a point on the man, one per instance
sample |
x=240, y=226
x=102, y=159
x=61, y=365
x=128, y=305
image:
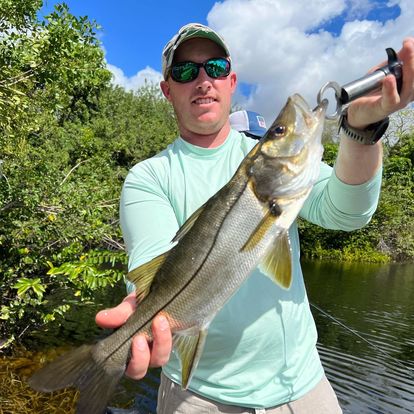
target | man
x=260, y=353
x=250, y=123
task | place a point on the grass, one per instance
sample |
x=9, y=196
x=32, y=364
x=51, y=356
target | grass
x=17, y=397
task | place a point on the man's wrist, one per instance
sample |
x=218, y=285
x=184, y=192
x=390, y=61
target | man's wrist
x=366, y=136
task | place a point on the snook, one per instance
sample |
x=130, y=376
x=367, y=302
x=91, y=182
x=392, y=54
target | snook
x=244, y=224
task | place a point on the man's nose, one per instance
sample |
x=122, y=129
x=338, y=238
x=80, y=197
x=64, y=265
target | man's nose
x=203, y=81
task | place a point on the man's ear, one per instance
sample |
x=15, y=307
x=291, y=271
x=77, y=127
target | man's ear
x=165, y=88
x=233, y=79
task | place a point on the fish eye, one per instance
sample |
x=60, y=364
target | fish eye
x=280, y=130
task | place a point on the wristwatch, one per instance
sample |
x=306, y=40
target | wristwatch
x=367, y=136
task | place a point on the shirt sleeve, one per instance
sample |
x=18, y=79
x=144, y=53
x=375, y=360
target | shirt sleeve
x=335, y=205
x=147, y=218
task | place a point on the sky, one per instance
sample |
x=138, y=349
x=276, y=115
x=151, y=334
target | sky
x=278, y=47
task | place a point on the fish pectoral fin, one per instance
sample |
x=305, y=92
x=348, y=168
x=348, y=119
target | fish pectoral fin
x=277, y=263
x=261, y=229
x=143, y=276
x=189, y=348
x=185, y=228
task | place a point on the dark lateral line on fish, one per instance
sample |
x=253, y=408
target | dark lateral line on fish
x=189, y=281
x=385, y=353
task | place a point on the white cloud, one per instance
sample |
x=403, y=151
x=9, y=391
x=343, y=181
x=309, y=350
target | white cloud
x=277, y=45
x=145, y=76
x=359, y=8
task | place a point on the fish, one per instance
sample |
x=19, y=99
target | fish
x=244, y=225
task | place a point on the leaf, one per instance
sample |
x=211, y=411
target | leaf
x=24, y=284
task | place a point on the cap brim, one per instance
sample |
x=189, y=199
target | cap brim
x=190, y=31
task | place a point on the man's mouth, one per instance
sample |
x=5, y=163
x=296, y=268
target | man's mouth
x=204, y=101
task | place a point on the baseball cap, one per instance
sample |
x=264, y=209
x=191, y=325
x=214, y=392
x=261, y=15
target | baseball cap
x=248, y=121
x=187, y=32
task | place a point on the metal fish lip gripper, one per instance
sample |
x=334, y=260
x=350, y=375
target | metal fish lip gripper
x=363, y=86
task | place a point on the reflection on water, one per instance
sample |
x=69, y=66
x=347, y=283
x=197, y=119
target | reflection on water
x=378, y=303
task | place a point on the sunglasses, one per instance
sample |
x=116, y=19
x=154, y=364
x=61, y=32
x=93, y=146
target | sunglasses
x=184, y=72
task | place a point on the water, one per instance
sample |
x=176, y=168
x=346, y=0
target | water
x=378, y=303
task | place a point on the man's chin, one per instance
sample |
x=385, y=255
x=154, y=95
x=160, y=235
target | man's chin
x=209, y=119
x=209, y=127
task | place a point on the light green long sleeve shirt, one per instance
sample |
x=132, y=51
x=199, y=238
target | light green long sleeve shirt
x=261, y=347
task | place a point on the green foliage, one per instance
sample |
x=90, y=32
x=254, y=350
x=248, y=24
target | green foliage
x=59, y=214
x=50, y=68
x=330, y=152
x=18, y=14
x=136, y=124
x=84, y=275
x=319, y=243
x=390, y=234
x=67, y=140
x=394, y=221
x=24, y=284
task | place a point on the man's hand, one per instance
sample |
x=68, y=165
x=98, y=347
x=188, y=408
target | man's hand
x=356, y=163
x=377, y=106
x=143, y=355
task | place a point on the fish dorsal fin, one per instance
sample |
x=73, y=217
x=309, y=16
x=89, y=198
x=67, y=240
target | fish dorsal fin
x=143, y=276
x=189, y=347
x=277, y=263
x=261, y=229
x=185, y=228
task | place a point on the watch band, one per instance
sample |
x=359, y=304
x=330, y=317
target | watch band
x=368, y=136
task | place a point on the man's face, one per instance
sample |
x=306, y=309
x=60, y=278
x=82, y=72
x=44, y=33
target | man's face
x=202, y=106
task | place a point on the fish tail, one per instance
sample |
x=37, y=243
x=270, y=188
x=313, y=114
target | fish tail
x=79, y=369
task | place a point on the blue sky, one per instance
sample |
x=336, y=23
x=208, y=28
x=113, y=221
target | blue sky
x=278, y=47
x=134, y=32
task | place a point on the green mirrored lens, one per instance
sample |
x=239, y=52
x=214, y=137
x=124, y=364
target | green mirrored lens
x=184, y=72
x=217, y=67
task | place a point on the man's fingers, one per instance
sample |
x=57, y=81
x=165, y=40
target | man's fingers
x=143, y=355
x=117, y=316
x=407, y=56
x=390, y=96
x=140, y=358
x=162, y=341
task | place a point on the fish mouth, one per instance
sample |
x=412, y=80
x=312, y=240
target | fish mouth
x=320, y=110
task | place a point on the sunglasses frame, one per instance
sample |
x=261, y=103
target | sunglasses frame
x=197, y=66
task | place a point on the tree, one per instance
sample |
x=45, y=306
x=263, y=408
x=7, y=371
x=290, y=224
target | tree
x=60, y=239
x=53, y=73
x=389, y=235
